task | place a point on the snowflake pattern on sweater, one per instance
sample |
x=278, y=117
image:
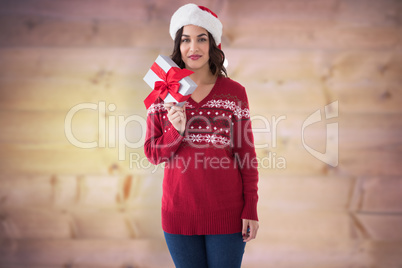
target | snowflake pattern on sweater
x=214, y=132
x=230, y=105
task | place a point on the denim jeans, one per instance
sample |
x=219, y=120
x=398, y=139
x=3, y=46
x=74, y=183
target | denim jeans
x=206, y=251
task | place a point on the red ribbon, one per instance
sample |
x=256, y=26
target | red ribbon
x=170, y=84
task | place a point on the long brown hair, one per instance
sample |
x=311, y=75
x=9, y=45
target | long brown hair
x=216, y=55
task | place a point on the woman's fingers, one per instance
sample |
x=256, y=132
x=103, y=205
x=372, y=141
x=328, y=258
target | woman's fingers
x=172, y=114
x=245, y=227
x=246, y=231
x=176, y=116
x=250, y=229
x=171, y=107
x=176, y=108
x=253, y=232
x=175, y=111
x=168, y=105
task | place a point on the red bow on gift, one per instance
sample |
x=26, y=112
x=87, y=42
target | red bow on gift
x=170, y=84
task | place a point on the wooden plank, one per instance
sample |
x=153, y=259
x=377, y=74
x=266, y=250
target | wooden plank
x=368, y=131
x=114, y=191
x=101, y=225
x=79, y=223
x=377, y=195
x=103, y=10
x=381, y=227
x=365, y=65
x=368, y=12
x=267, y=65
x=375, y=162
x=359, y=162
x=87, y=252
x=305, y=193
x=145, y=221
x=345, y=66
x=108, y=10
x=43, y=94
x=275, y=10
x=305, y=254
x=384, y=253
x=33, y=223
x=33, y=266
x=85, y=126
x=26, y=190
x=276, y=97
x=140, y=190
x=53, y=159
x=48, y=127
x=313, y=25
x=277, y=36
x=360, y=138
x=96, y=65
x=379, y=97
x=289, y=161
x=31, y=30
x=299, y=225
x=65, y=190
x=98, y=191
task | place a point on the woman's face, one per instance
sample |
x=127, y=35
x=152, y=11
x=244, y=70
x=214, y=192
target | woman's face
x=194, y=47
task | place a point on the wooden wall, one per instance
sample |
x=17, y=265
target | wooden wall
x=65, y=206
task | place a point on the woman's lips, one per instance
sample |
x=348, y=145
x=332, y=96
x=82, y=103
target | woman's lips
x=195, y=57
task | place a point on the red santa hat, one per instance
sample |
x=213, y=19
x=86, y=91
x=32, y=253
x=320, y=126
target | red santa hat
x=199, y=16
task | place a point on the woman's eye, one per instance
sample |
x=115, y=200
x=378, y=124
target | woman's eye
x=203, y=40
x=185, y=40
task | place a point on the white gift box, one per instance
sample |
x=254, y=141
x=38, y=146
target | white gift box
x=187, y=85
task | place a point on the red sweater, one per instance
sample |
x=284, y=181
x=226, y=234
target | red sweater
x=210, y=176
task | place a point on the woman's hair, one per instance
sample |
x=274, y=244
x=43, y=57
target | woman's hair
x=216, y=56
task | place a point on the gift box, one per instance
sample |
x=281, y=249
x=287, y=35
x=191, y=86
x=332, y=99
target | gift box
x=169, y=82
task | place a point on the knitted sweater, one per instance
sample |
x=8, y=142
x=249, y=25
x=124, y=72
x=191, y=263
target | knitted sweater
x=210, y=174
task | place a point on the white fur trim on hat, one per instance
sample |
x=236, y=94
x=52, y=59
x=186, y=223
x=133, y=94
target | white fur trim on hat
x=191, y=14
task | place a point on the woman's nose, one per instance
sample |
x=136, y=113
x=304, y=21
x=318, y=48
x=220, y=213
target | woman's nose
x=193, y=46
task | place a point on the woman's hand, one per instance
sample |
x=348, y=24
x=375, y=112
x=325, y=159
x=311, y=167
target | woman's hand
x=250, y=229
x=177, y=116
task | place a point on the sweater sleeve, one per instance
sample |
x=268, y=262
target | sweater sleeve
x=244, y=151
x=160, y=142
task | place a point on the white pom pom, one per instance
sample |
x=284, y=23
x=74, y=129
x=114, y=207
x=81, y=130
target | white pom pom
x=225, y=63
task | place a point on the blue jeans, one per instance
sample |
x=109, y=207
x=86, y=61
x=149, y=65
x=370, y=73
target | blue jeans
x=206, y=251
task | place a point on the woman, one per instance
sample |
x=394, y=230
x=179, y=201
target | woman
x=209, y=202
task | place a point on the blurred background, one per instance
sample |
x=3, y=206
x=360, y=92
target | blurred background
x=77, y=191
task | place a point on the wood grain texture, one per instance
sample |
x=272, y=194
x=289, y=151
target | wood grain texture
x=62, y=205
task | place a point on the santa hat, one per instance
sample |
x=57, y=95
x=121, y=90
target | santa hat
x=199, y=16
